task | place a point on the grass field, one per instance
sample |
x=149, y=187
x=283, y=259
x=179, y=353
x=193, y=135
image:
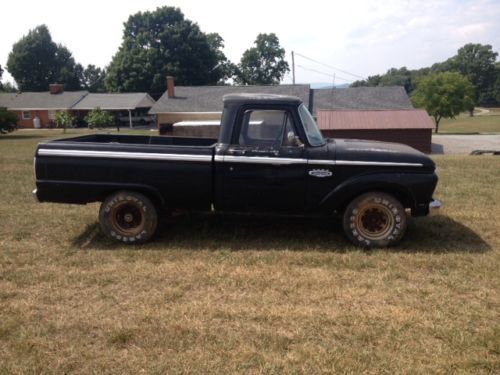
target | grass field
x=486, y=123
x=227, y=294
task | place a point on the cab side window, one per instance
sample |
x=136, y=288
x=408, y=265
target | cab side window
x=264, y=127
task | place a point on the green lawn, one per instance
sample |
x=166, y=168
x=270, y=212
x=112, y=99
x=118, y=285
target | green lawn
x=229, y=294
x=487, y=123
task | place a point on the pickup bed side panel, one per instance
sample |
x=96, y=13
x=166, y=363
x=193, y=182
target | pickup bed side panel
x=174, y=176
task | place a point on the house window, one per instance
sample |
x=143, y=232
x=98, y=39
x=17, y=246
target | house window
x=26, y=115
x=52, y=115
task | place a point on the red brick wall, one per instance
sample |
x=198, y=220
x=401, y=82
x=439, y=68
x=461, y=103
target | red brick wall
x=43, y=115
x=28, y=124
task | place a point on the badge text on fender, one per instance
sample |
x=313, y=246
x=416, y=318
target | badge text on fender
x=320, y=173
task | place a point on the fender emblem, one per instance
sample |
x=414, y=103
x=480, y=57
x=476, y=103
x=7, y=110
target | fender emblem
x=320, y=173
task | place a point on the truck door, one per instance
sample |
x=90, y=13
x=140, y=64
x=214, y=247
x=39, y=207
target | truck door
x=263, y=169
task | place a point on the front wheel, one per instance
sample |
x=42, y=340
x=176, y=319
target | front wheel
x=128, y=216
x=375, y=220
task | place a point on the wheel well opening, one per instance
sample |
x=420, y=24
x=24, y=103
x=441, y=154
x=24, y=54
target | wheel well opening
x=403, y=197
x=153, y=197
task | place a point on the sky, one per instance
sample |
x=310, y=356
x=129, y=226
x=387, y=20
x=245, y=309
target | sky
x=351, y=39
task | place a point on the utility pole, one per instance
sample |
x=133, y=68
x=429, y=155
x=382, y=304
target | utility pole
x=293, y=67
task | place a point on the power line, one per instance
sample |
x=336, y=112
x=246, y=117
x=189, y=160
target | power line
x=335, y=76
x=329, y=66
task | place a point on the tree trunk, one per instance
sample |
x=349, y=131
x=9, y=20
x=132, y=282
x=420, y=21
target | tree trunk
x=437, y=120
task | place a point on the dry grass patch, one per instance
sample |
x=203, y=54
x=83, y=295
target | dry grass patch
x=226, y=294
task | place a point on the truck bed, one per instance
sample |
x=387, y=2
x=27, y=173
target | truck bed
x=176, y=172
x=140, y=140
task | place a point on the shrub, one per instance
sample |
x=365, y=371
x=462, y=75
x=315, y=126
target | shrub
x=8, y=121
x=98, y=118
x=64, y=120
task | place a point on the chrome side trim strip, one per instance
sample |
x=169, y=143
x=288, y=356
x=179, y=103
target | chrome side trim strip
x=321, y=162
x=288, y=161
x=261, y=160
x=378, y=163
x=124, y=155
x=217, y=158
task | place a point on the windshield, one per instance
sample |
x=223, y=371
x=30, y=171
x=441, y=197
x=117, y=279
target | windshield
x=311, y=128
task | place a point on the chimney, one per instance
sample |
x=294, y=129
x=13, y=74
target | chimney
x=170, y=87
x=56, y=88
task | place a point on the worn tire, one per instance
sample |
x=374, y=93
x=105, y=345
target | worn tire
x=375, y=220
x=128, y=217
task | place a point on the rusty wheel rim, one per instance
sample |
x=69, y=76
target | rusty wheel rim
x=374, y=221
x=127, y=218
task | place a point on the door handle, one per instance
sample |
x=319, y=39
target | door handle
x=237, y=152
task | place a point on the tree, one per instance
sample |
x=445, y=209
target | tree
x=477, y=63
x=263, y=64
x=225, y=69
x=496, y=87
x=444, y=95
x=8, y=121
x=93, y=79
x=98, y=118
x=64, y=120
x=371, y=81
x=160, y=43
x=7, y=87
x=37, y=61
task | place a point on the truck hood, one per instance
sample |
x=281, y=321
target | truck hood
x=374, y=151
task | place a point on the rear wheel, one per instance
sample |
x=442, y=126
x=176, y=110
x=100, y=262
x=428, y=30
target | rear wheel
x=128, y=216
x=375, y=220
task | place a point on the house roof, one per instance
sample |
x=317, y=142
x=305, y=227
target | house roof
x=6, y=99
x=390, y=97
x=209, y=98
x=45, y=100
x=119, y=101
x=381, y=119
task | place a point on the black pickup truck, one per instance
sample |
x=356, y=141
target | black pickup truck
x=270, y=158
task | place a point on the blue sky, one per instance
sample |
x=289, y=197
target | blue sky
x=361, y=37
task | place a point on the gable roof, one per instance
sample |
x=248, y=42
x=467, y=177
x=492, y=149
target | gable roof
x=45, y=100
x=209, y=98
x=382, y=119
x=387, y=97
x=117, y=101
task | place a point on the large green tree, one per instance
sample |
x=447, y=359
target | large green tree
x=477, y=62
x=444, y=95
x=496, y=87
x=37, y=61
x=160, y=43
x=263, y=64
x=93, y=79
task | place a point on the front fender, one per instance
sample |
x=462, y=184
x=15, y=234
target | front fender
x=396, y=184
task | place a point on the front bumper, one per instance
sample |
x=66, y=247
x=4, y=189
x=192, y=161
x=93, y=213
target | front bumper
x=35, y=196
x=434, y=206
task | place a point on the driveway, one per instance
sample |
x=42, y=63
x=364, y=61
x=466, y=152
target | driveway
x=464, y=144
